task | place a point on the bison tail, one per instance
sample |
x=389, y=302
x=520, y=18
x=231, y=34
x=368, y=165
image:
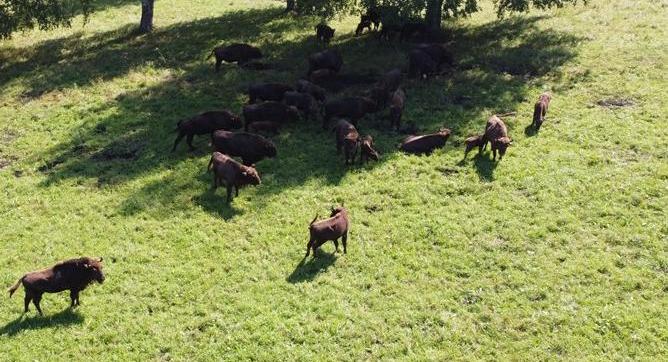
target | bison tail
x=14, y=287
x=314, y=219
x=208, y=167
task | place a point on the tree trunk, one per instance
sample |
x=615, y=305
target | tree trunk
x=434, y=15
x=146, y=23
x=291, y=6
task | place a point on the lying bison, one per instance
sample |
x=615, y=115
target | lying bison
x=271, y=111
x=304, y=102
x=540, y=110
x=231, y=173
x=367, y=150
x=267, y=92
x=420, y=64
x=496, y=133
x=425, y=144
x=205, y=123
x=353, y=108
x=327, y=59
x=397, y=103
x=329, y=229
x=438, y=53
x=250, y=147
x=304, y=86
x=324, y=33
x=347, y=138
x=237, y=52
x=73, y=275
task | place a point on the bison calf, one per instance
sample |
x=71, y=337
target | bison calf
x=471, y=142
x=540, y=110
x=397, y=103
x=233, y=174
x=324, y=33
x=205, y=123
x=73, y=275
x=329, y=229
x=250, y=147
x=237, y=52
x=425, y=144
x=268, y=92
x=347, y=138
x=367, y=150
x=496, y=133
x=271, y=111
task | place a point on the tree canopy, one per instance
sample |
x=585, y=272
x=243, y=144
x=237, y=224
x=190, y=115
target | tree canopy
x=16, y=15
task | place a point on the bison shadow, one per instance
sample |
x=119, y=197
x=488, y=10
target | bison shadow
x=61, y=319
x=485, y=166
x=309, y=267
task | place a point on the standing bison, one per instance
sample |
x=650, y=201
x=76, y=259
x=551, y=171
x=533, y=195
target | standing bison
x=324, y=33
x=347, y=138
x=269, y=112
x=231, y=173
x=496, y=133
x=420, y=64
x=237, y=52
x=73, y=275
x=250, y=147
x=353, y=108
x=329, y=229
x=267, y=92
x=205, y=123
x=540, y=110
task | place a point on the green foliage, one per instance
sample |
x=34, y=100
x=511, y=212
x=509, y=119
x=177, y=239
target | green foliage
x=17, y=15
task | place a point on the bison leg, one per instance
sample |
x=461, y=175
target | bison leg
x=494, y=153
x=236, y=188
x=308, y=247
x=336, y=245
x=74, y=298
x=218, y=62
x=344, y=241
x=26, y=302
x=190, y=141
x=178, y=139
x=215, y=180
x=35, y=300
x=229, y=193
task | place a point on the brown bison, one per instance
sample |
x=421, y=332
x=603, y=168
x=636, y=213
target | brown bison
x=303, y=102
x=496, y=133
x=324, y=33
x=420, y=64
x=329, y=229
x=237, y=52
x=271, y=111
x=371, y=16
x=267, y=92
x=367, y=150
x=234, y=175
x=304, y=86
x=391, y=80
x=347, y=138
x=250, y=147
x=326, y=59
x=205, y=123
x=425, y=144
x=266, y=127
x=73, y=275
x=438, y=53
x=540, y=110
x=471, y=142
x=353, y=108
x=397, y=103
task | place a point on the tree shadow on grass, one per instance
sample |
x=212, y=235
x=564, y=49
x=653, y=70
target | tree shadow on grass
x=130, y=136
x=61, y=319
x=308, y=268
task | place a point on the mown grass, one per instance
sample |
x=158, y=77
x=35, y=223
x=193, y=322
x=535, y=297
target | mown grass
x=558, y=251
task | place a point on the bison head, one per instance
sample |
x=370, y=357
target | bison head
x=336, y=210
x=94, y=269
x=502, y=145
x=250, y=176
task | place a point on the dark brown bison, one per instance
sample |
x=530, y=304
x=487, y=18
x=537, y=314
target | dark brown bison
x=303, y=102
x=353, y=108
x=438, y=53
x=324, y=33
x=329, y=229
x=471, y=142
x=496, y=133
x=234, y=175
x=391, y=80
x=304, y=86
x=267, y=92
x=413, y=30
x=326, y=59
x=322, y=76
x=420, y=64
x=205, y=123
x=271, y=111
x=240, y=53
x=397, y=103
x=347, y=138
x=371, y=16
x=73, y=275
x=540, y=110
x=425, y=144
x=266, y=127
x=367, y=150
x=250, y=147
x=389, y=31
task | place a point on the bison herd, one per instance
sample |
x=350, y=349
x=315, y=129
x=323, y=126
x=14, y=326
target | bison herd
x=273, y=105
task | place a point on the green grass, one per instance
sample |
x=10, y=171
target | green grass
x=557, y=252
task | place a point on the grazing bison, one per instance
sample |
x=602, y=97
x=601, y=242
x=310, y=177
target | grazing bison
x=265, y=127
x=353, y=108
x=438, y=53
x=540, y=110
x=329, y=229
x=267, y=92
x=347, y=138
x=304, y=86
x=303, y=102
x=367, y=150
x=271, y=111
x=326, y=59
x=250, y=147
x=324, y=33
x=412, y=30
x=397, y=103
x=471, y=142
x=233, y=174
x=496, y=133
x=425, y=144
x=420, y=64
x=237, y=52
x=73, y=275
x=205, y=123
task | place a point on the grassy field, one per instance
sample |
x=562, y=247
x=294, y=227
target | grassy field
x=559, y=251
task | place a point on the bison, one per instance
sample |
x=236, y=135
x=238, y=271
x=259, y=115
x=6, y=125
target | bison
x=496, y=133
x=471, y=142
x=303, y=102
x=230, y=172
x=413, y=29
x=425, y=144
x=205, y=123
x=265, y=127
x=397, y=103
x=367, y=150
x=73, y=275
x=324, y=33
x=420, y=64
x=268, y=92
x=329, y=229
x=271, y=111
x=389, y=31
x=237, y=52
x=304, y=86
x=438, y=53
x=347, y=138
x=353, y=108
x=326, y=59
x=371, y=16
x=540, y=110
x=250, y=147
